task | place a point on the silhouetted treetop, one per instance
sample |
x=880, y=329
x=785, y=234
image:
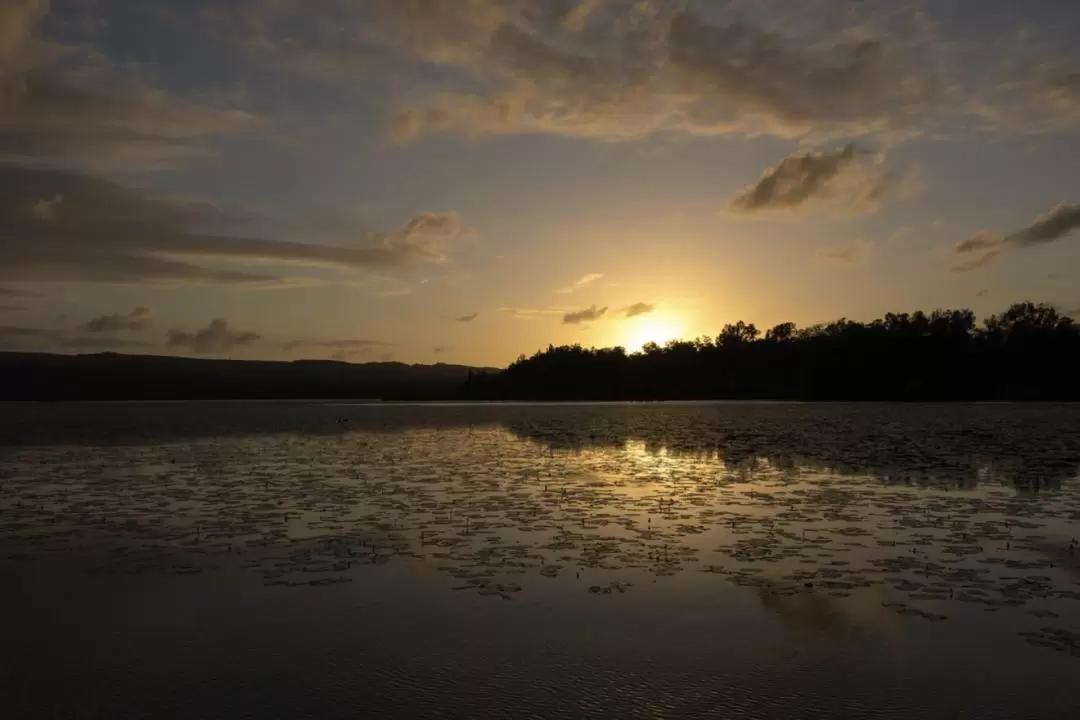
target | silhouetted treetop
x=1024, y=353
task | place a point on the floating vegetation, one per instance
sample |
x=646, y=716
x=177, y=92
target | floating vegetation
x=565, y=503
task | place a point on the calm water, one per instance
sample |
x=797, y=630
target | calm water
x=657, y=561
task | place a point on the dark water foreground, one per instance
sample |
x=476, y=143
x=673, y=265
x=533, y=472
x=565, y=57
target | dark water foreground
x=655, y=561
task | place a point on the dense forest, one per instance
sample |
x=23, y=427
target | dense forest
x=1028, y=352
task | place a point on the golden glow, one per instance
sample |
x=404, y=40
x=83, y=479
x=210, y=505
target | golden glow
x=650, y=328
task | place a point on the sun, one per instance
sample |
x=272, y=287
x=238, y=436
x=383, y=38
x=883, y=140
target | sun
x=660, y=330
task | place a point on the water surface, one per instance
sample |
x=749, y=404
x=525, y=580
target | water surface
x=618, y=560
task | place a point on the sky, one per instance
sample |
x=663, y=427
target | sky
x=469, y=180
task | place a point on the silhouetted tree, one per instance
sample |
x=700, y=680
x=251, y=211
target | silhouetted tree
x=1027, y=352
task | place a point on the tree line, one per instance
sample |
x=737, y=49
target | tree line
x=1028, y=352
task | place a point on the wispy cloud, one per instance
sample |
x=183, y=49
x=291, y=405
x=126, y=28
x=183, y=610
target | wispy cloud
x=14, y=293
x=1059, y=223
x=527, y=313
x=36, y=339
x=979, y=262
x=846, y=255
x=101, y=231
x=467, y=318
x=584, y=316
x=582, y=282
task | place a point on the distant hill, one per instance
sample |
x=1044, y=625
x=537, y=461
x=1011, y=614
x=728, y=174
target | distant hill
x=112, y=376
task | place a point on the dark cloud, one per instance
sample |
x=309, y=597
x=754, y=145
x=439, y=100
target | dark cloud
x=11, y=308
x=442, y=349
x=217, y=337
x=640, y=308
x=64, y=104
x=467, y=318
x=99, y=231
x=618, y=69
x=135, y=321
x=807, y=177
x=584, y=316
x=1055, y=225
x=793, y=84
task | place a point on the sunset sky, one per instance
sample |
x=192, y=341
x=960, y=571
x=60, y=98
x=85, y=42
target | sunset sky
x=467, y=180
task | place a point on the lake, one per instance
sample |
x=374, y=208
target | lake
x=721, y=560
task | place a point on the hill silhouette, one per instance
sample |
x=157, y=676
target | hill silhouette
x=112, y=376
x=1028, y=352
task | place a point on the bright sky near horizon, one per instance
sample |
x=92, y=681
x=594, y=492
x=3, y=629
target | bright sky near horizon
x=467, y=180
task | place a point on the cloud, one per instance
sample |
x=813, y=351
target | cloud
x=68, y=105
x=1054, y=225
x=135, y=321
x=11, y=308
x=582, y=282
x=442, y=349
x=606, y=69
x=637, y=309
x=467, y=318
x=584, y=316
x=394, y=292
x=529, y=313
x=979, y=241
x=1050, y=227
x=217, y=337
x=856, y=252
x=815, y=176
x=622, y=69
x=101, y=231
x=979, y=262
